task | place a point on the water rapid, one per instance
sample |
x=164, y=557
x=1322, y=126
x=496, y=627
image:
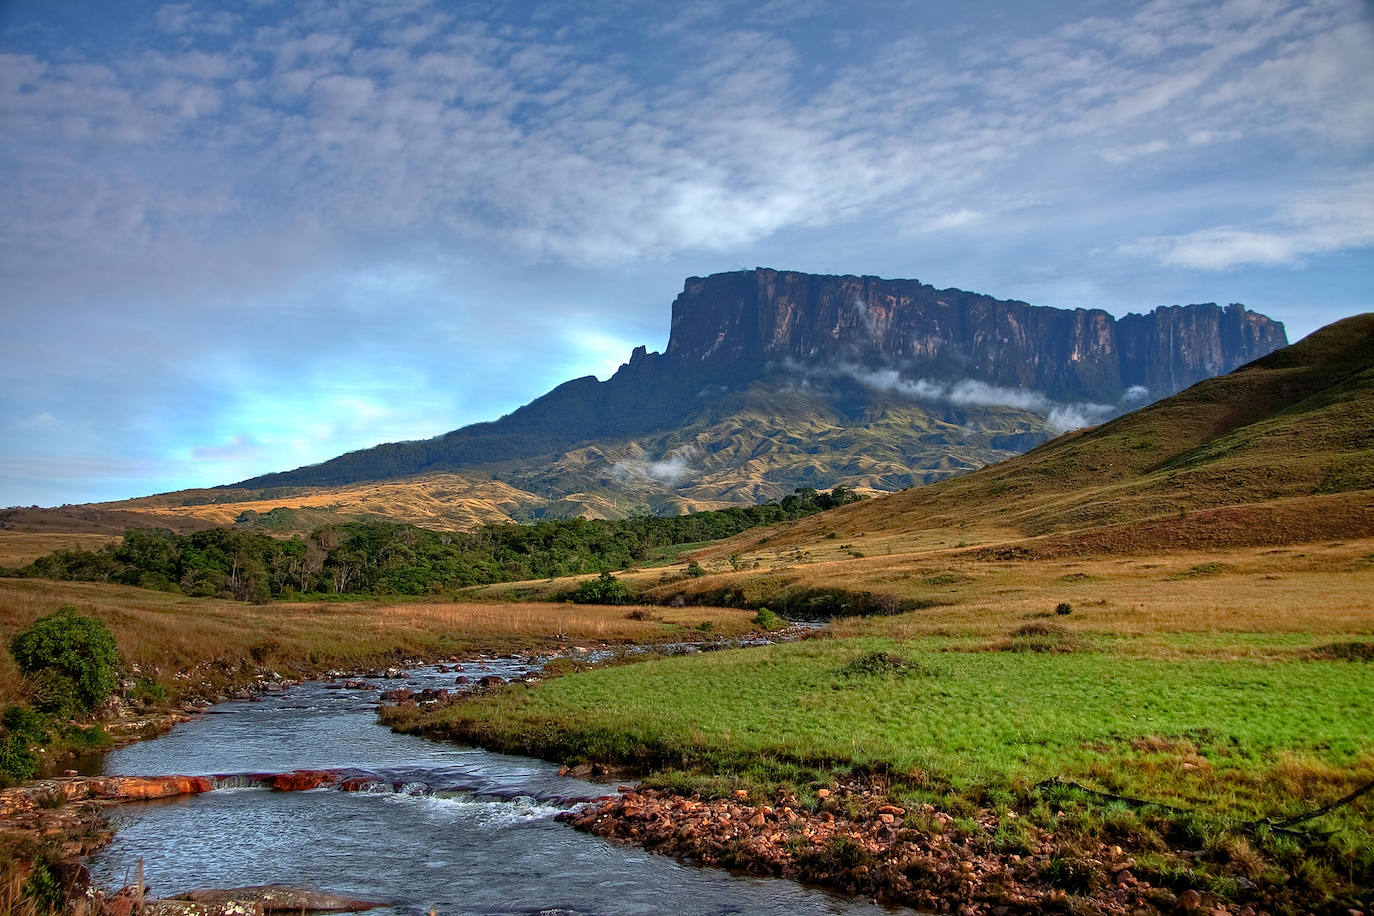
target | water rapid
x=436, y=827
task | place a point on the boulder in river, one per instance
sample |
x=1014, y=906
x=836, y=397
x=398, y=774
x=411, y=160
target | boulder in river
x=277, y=898
x=189, y=908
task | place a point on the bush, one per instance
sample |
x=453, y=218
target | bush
x=55, y=693
x=20, y=729
x=767, y=620
x=695, y=570
x=1063, y=608
x=68, y=652
x=604, y=589
x=879, y=663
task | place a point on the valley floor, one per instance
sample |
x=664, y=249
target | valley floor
x=1090, y=734
x=1066, y=725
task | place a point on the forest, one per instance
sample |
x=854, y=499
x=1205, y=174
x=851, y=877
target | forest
x=387, y=558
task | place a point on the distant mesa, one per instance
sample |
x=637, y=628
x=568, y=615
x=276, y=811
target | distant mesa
x=989, y=378
x=763, y=317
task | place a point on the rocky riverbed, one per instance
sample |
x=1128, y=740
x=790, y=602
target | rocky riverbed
x=856, y=841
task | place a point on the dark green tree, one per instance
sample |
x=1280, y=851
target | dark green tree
x=71, y=660
x=604, y=589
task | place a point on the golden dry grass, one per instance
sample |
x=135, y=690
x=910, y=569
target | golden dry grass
x=443, y=502
x=1314, y=588
x=19, y=548
x=173, y=632
x=1307, y=591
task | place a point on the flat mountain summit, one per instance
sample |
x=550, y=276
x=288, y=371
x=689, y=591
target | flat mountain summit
x=776, y=379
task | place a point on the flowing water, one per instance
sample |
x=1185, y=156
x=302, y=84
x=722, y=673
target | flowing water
x=442, y=827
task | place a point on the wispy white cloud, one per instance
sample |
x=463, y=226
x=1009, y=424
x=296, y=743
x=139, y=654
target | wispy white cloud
x=670, y=470
x=1316, y=222
x=374, y=117
x=1058, y=417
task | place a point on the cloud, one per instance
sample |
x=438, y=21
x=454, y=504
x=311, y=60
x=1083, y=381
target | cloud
x=871, y=319
x=1065, y=417
x=670, y=470
x=186, y=19
x=372, y=117
x=969, y=392
x=239, y=448
x=1120, y=155
x=1330, y=219
x=962, y=393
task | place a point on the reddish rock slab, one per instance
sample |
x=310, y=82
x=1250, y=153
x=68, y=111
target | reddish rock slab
x=134, y=788
x=302, y=780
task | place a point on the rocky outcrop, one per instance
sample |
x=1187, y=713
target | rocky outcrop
x=764, y=316
x=140, y=788
x=277, y=898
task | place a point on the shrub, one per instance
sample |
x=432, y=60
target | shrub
x=22, y=729
x=767, y=620
x=604, y=589
x=55, y=693
x=65, y=651
x=1063, y=608
x=878, y=663
x=695, y=570
x=1071, y=873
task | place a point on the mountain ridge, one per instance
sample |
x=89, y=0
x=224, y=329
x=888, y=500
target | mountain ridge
x=1279, y=450
x=946, y=348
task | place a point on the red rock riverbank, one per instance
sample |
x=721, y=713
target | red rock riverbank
x=858, y=844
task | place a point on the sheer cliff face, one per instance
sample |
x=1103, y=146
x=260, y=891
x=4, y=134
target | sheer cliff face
x=764, y=317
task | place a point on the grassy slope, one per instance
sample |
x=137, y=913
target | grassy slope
x=1233, y=685
x=227, y=641
x=751, y=446
x=1297, y=424
x=1230, y=645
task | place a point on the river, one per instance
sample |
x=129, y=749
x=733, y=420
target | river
x=451, y=829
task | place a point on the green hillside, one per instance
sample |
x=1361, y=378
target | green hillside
x=1295, y=425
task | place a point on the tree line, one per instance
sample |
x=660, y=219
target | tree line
x=388, y=558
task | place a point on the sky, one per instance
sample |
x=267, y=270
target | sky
x=242, y=237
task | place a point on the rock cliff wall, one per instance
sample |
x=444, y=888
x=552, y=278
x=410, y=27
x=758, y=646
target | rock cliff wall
x=764, y=317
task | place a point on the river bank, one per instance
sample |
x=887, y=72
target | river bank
x=48, y=826
x=859, y=843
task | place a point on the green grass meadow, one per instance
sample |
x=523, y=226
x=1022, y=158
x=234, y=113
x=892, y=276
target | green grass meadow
x=976, y=724
x=962, y=714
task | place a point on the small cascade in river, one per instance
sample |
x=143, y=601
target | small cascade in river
x=425, y=824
